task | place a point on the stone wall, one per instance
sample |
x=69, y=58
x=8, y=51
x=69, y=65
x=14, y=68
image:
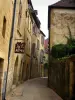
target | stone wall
x=6, y=9
x=61, y=77
x=57, y=77
x=18, y=37
x=61, y=19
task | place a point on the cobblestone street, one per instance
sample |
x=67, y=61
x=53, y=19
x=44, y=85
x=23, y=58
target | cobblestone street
x=35, y=89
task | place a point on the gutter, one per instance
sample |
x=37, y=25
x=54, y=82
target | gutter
x=10, y=46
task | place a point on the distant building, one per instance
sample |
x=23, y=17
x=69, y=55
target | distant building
x=35, y=42
x=46, y=45
x=42, y=49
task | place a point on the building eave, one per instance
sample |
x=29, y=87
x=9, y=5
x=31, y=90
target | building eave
x=36, y=19
x=41, y=32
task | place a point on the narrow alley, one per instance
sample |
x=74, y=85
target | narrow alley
x=35, y=89
x=37, y=40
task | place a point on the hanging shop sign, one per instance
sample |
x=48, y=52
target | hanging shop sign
x=19, y=47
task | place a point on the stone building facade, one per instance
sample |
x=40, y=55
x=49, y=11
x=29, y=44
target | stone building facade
x=5, y=31
x=35, y=43
x=18, y=25
x=61, y=22
x=42, y=52
x=16, y=65
x=61, y=19
x=28, y=33
x=20, y=63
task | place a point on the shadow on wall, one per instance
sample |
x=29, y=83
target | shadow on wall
x=15, y=71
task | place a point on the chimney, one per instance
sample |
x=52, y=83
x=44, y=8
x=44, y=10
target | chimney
x=36, y=12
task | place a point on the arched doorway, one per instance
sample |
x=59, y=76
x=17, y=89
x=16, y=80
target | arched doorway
x=15, y=71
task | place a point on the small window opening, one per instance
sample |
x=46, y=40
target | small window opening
x=4, y=27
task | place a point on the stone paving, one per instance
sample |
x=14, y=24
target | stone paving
x=35, y=89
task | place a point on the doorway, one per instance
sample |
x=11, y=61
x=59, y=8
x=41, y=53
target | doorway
x=23, y=72
x=1, y=73
x=73, y=85
x=27, y=72
x=15, y=72
x=72, y=79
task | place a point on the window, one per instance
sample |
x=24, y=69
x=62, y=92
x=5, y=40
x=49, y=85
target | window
x=34, y=28
x=28, y=22
x=26, y=14
x=30, y=25
x=42, y=39
x=20, y=14
x=29, y=45
x=33, y=49
x=41, y=56
x=4, y=27
x=38, y=44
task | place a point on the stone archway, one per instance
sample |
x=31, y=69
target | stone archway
x=15, y=71
x=1, y=74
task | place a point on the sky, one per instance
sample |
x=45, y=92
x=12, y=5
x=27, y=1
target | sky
x=42, y=7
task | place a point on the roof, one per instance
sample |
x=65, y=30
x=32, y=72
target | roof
x=36, y=19
x=65, y=4
x=42, y=33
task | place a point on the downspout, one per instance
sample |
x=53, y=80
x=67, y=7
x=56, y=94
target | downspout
x=31, y=64
x=48, y=56
x=10, y=45
x=49, y=20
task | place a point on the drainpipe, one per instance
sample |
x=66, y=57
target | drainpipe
x=10, y=46
x=49, y=58
x=31, y=66
x=49, y=67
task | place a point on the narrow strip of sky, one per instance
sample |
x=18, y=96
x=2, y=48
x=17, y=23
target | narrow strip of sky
x=42, y=7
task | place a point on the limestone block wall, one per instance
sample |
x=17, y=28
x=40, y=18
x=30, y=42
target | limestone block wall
x=62, y=77
x=58, y=79
x=6, y=8
x=72, y=78
x=18, y=37
x=61, y=19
